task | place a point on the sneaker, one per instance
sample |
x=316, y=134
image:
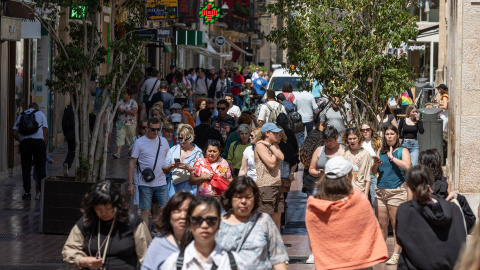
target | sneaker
x=116, y=156
x=37, y=196
x=65, y=169
x=393, y=260
x=27, y=196
x=310, y=259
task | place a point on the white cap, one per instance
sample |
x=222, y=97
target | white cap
x=176, y=118
x=337, y=167
x=176, y=106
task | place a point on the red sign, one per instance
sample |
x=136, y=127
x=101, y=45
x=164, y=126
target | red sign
x=209, y=12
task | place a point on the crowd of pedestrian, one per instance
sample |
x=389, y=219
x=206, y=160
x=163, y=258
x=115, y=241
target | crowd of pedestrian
x=211, y=160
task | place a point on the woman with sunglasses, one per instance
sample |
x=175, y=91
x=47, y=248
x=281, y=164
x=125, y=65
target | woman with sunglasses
x=172, y=224
x=391, y=163
x=198, y=249
x=371, y=143
x=250, y=233
x=181, y=158
x=141, y=131
x=352, y=138
x=235, y=153
x=206, y=168
x=248, y=159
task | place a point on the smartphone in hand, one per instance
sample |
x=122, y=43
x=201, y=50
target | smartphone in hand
x=177, y=160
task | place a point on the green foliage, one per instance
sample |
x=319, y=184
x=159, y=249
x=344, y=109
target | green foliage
x=343, y=43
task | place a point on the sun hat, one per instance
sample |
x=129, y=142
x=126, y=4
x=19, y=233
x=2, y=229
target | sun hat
x=337, y=167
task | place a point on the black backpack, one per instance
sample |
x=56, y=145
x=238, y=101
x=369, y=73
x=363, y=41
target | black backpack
x=295, y=122
x=28, y=124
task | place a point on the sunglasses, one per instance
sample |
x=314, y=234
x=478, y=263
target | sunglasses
x=351, y=129
x=365, y=129
x=154, y=129
x=182, y=139
x=221, y=108
x=251, y=136
x=197, y=221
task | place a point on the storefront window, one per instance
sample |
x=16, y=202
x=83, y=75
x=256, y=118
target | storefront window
x=420, y=58
x=426, y=10
x=20, y=101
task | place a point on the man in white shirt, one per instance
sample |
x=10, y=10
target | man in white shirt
x=145, y=152
x=265, y=111
x=33, y=146
x=233, y=110
x=149, y=87
x=306, y=106
x=201, y=84
x=256, y=74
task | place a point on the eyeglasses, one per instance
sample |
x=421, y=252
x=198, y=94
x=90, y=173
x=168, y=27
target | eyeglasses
x=182, y=139
x=221, y=108
x=144, y=127
x=365, y=129
x=198, y=221
x=154, y=129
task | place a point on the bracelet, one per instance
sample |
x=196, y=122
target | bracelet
x=292, y=173
x=392, y=158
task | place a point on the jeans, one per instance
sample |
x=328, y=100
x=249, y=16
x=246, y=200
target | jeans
x=302, y=135
x=372, y=193
x=146, y=195
x=412, y=146
x=37, y=150
x=190, y=104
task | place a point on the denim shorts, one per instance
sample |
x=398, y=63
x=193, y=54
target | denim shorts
x=146, y=195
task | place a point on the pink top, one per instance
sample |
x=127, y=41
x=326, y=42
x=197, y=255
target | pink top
x=220, y=167
x=289, y=96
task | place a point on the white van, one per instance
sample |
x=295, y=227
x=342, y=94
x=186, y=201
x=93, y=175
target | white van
x=281, y=76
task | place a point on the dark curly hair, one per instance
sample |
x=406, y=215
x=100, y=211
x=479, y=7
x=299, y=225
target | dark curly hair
x=162, y=222
x=311, y=143
x=211, y=203
x=330, y=132
x=431, y=159
x=385, y=147
x=244, y=118
x=103, y=193
x=239, y=185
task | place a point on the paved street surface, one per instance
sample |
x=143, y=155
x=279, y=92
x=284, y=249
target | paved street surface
x=22, y=247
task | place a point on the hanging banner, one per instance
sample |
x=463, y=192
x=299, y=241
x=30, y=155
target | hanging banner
x=158, y=9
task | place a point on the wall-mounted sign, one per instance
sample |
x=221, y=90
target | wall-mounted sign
x=158, y=9
x=220, y=41
x=77, y=13
x=209, y=12
x=11, y=28
x=164, y=32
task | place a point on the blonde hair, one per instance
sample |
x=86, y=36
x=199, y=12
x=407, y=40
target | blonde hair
x=158, y=107
x=352, y=131
x=375, y=140
x=257, y=133
x=187, y=131
x=469, y=258
x=410, y=108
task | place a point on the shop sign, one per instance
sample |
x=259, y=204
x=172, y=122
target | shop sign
x=164, y=32
x=10, y=28
x=416, y=48
x=31, y=29
x=158, y=9
x=220, y=41
x=209, y=12
x=194, y=38
x=149, y=34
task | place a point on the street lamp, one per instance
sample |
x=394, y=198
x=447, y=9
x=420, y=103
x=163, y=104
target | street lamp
x=224, y=10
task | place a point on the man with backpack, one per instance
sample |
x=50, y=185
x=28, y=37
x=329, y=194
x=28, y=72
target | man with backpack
x=31, y=130
x=305, y=102
x=270, y=110
x=201, y=85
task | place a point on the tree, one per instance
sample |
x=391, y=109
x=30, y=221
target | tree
x=79, y=56
x=344, y=45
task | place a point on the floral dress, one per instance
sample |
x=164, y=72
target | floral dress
x=127, y=119
x=219, y=167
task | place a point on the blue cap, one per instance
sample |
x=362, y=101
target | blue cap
x=270, y=127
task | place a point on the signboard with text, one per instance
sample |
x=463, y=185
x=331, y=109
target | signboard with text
x=158, y=9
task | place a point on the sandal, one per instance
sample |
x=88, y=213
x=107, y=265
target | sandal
x=393, y=260
x=116, y=155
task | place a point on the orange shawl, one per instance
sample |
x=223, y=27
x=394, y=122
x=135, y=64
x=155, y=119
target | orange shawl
x=344, y=234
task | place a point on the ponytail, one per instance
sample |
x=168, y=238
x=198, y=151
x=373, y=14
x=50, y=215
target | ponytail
x=420, y=179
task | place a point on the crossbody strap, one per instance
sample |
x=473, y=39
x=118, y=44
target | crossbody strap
x=239, y=247
x=180, y=260
x=153, y=87
x=158, y=150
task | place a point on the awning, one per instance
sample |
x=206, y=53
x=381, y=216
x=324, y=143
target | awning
x=209, y=51
x=238, y=48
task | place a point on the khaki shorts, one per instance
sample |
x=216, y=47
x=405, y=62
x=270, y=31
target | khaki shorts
x=272, y=200
x=125, y=133
x=392, y=197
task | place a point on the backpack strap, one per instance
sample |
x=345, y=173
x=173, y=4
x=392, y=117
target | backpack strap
x=180, y=259
x=269, y=107
x=233, y=263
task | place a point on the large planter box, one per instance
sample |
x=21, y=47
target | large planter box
x=60, y=203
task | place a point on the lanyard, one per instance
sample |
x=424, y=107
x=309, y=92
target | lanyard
x=105, y=242
x=176, y=240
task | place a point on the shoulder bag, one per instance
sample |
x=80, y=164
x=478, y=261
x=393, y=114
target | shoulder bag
x=148, y=174
x=147, y=97
x=181, y=175
x=218, y=183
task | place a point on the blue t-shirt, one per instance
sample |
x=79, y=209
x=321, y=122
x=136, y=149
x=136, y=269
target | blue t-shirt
x=390, y=176
x=259, y=82
x=157, y=253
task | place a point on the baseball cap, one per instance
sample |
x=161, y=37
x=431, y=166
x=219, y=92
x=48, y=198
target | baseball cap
x=442, y=86
x=270, y=127
x=176, y=106
x=248, y=81
x=168, y=126
x=176, y=118
x=221, y=70
x=337, y=167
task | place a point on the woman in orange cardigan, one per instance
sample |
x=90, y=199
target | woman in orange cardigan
x=343, y=230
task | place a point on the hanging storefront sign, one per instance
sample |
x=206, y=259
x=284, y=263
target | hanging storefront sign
x=31, y=29
x=164, y=32
x=209, y=12
x=220, y=41
x=159, y=9
x=189, y=38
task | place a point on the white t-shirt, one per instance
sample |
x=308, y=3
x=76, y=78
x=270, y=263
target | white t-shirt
x=265, y=111
x=234, y=111
x=221, y=85
x=148, y=85
x=251, y=170
x=201, y=87
x=42, y=123
x=306, y=105
x=145, y=150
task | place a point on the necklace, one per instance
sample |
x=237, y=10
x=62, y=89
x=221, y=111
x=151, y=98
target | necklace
x=104, y=243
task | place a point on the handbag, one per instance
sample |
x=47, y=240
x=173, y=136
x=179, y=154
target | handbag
x=148, y=174
x=147, y=97
x=217, y=182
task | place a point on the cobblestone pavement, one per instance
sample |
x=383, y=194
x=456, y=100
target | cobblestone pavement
x=23, y=247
